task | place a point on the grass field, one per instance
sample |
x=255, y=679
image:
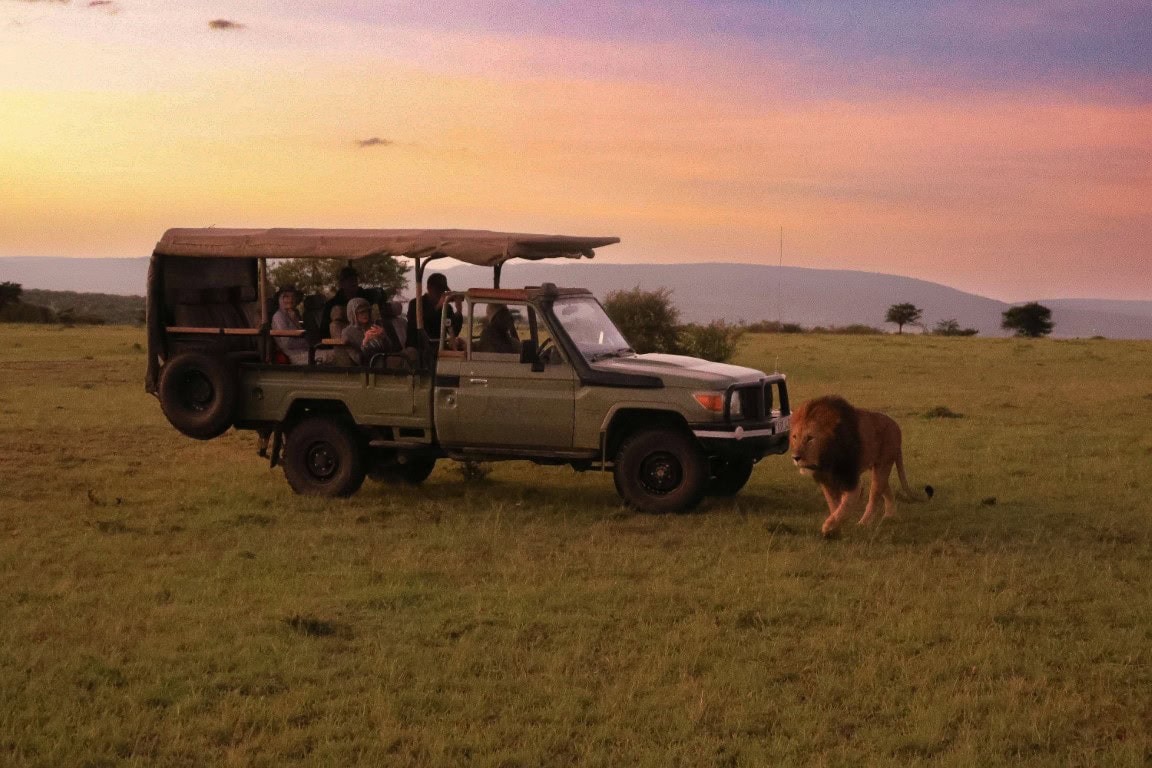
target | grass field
x=171, y=602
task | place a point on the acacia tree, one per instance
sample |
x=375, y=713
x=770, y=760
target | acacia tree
x=646, y=318
x=902, y=315
x=319, y=275
x=1031, y=320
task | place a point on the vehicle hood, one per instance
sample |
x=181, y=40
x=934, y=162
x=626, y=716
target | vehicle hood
x=680, y=370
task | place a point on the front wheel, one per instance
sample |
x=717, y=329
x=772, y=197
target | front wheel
x=729, y=476
x=661, y=470
x=322, y=458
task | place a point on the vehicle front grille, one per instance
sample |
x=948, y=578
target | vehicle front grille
x=757, y=401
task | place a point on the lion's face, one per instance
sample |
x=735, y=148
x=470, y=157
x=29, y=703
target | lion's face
x=813, y=431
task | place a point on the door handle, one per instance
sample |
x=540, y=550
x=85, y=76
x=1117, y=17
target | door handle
x=479, y=382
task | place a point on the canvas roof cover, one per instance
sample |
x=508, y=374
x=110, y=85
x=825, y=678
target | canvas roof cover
x=486, y=249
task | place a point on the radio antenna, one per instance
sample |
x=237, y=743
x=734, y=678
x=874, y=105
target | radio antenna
x=779, y=300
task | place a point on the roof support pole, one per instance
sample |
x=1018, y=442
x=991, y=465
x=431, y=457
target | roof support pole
x=262, y=296
x=496, y=275
x=419, y=286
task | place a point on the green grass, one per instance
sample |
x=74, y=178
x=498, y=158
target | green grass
x=171, y=602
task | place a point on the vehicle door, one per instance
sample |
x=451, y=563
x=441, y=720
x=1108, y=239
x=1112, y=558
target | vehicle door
x=487, y=397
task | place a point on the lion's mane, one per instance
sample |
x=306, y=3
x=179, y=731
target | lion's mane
x=839, y=465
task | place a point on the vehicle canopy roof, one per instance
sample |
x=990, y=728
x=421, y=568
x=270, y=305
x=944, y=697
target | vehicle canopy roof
x=479, y=247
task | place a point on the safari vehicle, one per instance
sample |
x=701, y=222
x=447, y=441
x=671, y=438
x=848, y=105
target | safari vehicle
x=671, y=429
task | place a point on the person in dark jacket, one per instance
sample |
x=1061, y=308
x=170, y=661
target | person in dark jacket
x=434, y=299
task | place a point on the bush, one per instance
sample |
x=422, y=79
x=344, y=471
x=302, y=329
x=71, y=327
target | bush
x=26, y=313
x=952, y=328
x=647, y=319
x=773, y=326
x=855, y=329
x=716, y=341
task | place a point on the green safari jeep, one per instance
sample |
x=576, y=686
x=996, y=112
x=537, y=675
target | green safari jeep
x=558, y=385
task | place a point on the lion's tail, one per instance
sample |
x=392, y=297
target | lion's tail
x=909, y=494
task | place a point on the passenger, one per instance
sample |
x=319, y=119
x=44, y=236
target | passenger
x=288, y=319
x=392, y=314
x=347, y=288
x=338, y=324
x=499, y=335
x=363, y=338
x=360, y=320
x=433, y=302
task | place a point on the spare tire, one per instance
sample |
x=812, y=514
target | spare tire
x=198, y=394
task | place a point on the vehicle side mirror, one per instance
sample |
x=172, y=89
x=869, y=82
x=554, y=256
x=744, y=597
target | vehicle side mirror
x=529, y=353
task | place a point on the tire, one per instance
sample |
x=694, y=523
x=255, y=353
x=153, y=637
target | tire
x=322, y=457
x=729, y=476
x=198, y=394
x=412, y=470
x=661, y=470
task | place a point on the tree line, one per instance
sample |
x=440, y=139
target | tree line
x=20, y=305
x=1031, y=320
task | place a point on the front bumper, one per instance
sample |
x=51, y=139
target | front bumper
x=752, y=441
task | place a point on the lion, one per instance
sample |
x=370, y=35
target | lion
x=834, y=443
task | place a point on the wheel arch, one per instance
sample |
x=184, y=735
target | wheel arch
x=628, y=421
x=305, y=407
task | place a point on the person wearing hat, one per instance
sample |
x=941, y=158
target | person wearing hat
x=433, y=300
x=288, y=319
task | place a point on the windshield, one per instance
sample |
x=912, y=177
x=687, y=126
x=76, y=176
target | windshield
x=591, y=329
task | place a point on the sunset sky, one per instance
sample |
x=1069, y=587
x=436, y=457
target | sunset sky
x=1000, y=148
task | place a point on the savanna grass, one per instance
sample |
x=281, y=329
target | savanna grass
x=171, y=602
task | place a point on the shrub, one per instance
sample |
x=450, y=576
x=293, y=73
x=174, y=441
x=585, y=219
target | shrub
x=773, y=326
x=716, y=341
x=855, y=329
x=646, y=318
x=18, y=312
x=952, y=328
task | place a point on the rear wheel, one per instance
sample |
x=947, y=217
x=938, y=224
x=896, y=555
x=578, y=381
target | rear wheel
x=729, y=476
x=322, y=458
x=661, y=470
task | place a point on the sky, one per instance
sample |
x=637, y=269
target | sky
x=1002, y=148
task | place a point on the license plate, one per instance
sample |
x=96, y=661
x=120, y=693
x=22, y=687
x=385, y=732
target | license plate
x=782, y=424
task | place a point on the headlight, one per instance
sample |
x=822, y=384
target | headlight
x=714, y=402
x=734, y=407
x=710, y=401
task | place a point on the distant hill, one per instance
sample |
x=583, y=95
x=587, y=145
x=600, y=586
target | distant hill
x=703, y=292
x=124, y=277
x=813, y=297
